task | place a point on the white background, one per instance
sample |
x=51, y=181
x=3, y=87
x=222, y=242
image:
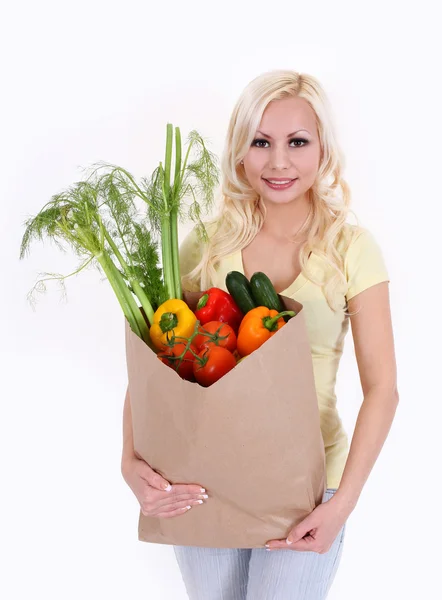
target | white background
x=91, y=80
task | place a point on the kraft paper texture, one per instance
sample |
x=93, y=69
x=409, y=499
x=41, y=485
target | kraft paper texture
x=252, y=439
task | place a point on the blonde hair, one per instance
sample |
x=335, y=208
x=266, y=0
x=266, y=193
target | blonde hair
x=242, y=211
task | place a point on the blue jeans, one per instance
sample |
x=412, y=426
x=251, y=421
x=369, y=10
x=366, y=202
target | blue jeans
x=257, y=574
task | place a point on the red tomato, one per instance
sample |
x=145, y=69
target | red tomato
x=185, y=370
x=217, y=361
x=217, y=329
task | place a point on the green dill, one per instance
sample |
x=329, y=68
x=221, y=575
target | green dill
x=100, y=220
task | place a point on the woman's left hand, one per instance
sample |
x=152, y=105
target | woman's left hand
x=317, y=532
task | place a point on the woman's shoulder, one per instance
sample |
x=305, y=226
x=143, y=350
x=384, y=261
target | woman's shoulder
x=364, y=261
x=352, y=237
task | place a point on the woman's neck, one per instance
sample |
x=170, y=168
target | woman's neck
x=284, y=221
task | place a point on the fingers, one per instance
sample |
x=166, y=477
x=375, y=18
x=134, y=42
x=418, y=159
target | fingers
x=155, y=501
x=185, y=488
x=158, y=482
x=283, y=545
x=306, y=544
x=153, y=478
x=170, y=501
x=173, y=513
x=149, y=488
x=177, y=492
x=170, y=509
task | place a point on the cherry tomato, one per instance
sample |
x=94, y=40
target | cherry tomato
x=216, y=329
x=217, y=361
x=185, y=370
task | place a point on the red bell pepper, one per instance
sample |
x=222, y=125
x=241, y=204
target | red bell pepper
x=217, y=305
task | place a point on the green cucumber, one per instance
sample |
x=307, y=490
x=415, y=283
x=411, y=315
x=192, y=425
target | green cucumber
x=264, y=293
x=239, y=288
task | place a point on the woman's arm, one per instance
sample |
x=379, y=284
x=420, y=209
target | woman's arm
x=128, y=437
x=374, y=348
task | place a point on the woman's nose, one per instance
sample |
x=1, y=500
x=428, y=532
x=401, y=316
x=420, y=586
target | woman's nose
x=279, y=158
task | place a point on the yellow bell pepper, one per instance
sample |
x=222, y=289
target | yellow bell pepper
x=171, y=317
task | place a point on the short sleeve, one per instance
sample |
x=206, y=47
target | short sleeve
x=364, y=264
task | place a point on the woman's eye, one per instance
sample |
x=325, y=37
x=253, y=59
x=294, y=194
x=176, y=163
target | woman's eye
x=260, y=141
x=304, y=142
x=255, y=142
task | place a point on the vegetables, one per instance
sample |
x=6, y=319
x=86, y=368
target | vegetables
x=217, y=305
x=239, y=287
x=100, y=220
x=263, y=292
x=207, y=360
x=214, y=345
x=171, y=357
x=212, y=363
x=259, y=291
x=173, y=317
x=165, y=198
x=89, y=217
x=216, y=333
x=213, y=348
x=257, y=327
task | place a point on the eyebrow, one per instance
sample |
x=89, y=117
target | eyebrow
x=289, y=135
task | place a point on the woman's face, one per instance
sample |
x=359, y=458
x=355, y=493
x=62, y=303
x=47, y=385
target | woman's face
x=274, y=154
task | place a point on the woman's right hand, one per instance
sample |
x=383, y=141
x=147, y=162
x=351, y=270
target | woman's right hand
x=156, y=496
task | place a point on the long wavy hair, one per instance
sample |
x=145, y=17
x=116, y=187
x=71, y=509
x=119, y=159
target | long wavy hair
x=241, y=210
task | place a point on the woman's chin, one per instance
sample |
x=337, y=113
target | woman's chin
x=279, y=198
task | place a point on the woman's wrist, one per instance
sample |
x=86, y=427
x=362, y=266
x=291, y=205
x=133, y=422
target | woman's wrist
x=345, y=501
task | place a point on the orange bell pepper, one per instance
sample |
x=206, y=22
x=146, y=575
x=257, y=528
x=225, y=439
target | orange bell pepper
x=257, y=326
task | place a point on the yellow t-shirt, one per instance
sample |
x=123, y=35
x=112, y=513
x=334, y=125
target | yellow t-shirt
x=364, y=267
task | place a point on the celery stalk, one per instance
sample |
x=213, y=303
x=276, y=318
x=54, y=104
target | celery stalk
x=174, y=253
x=168, y=161
x=174, y=216
x=166, y=229
x=125, y=298
x=140, y=293
x=124, y=295
x=167, y=256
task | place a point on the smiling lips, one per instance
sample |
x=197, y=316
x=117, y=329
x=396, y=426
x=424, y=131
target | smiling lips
x=279, y=183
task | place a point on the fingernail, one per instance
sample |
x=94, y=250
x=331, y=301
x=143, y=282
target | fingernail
x=289, y=541
x=167, y=487
x=202, y=490
x=199, y=501
x=204, y=496
x=266, y=545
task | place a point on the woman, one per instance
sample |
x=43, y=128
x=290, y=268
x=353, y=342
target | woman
x=283, y=211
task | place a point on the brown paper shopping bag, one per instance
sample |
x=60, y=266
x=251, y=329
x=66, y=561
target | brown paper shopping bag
x=252, y=439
